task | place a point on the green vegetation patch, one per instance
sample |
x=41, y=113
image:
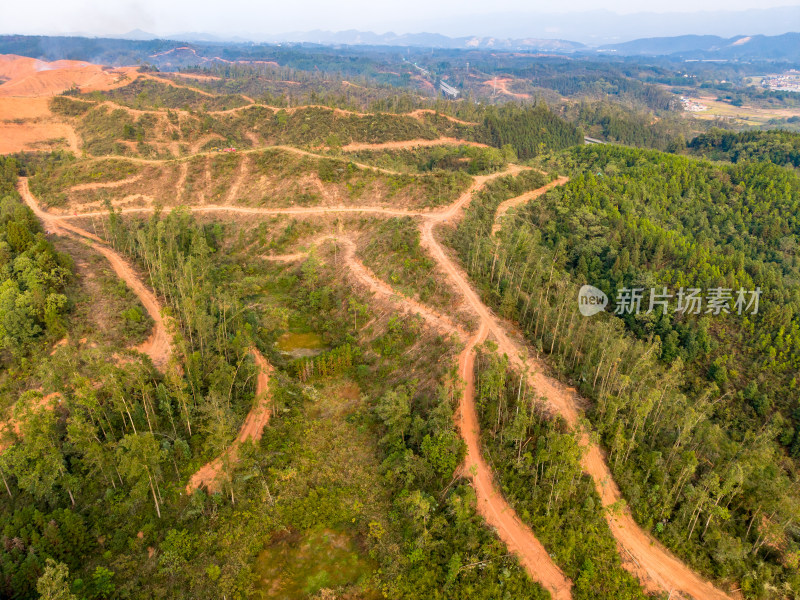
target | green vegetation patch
x=148, y=94
x=298, y=565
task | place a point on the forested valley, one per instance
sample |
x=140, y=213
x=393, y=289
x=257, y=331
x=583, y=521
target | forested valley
x=359, y=460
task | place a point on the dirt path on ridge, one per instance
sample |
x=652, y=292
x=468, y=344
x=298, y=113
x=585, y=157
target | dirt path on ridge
x=504, y=207
x=252, y=429
x=492, y=506
x=438, y=215
x=374, y=284
x=417, y=114
x=99, y=185
x=408, y=144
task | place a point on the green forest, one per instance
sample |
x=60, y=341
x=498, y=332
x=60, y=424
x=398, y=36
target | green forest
x=33, y=273
x=778, y=147
x=698, y=412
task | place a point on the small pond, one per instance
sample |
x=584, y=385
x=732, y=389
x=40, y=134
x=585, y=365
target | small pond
x=300, y=344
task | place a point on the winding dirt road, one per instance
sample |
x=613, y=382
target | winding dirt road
x=408, y=144
x=105, y=184
x=157, y=346
x=518, y=537
x=504, y=207
x=437, y=215
x=257, y=419
x=363, y=275
x=655, y=566
x=493, y=507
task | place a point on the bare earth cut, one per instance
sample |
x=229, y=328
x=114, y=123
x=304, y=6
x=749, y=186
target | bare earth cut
x=208, y=475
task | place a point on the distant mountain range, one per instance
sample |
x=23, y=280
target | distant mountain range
x=426, y=40
x=140, y=46
x=711, y=47
x=528, y=30
x=700, y=47
x=600, y=27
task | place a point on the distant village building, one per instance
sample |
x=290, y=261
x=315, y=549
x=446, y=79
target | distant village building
x=692, y=105
x=787, y=82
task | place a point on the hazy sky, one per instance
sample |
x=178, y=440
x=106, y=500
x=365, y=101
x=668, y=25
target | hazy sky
x=249, y=16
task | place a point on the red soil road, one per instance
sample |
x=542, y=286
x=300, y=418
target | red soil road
x=81, y=187
x=504, y=207
x=517, y=536
x=157, y=346
x=416, y=114
x=438, y=215
x=175, y=84
x=252, y=429
x=657, y=568
x=368, y=279
x=403, y=144
x=427, y=111
x=495, y=510
x=196, y=76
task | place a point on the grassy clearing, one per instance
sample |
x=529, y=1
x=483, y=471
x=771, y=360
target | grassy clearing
x=295, y=566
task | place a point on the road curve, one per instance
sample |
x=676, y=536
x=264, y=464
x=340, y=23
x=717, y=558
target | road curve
x=157, y=346
x=516, y=535
x=438, y=215
x=656, y=567
x=253, y=427
x=505, y=206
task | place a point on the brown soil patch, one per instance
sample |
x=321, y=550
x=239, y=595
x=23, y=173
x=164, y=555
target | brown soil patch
x=28, y=124
x=19, y=137
x=13, y=425
x=12, y=108
x=501, y=85
x=31, y=77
